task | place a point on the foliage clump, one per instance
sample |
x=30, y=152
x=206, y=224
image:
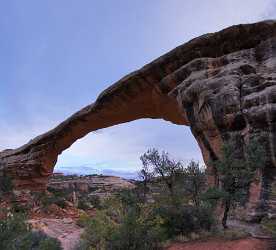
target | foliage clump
x=16, y=234
x=236, y=170
x=133, y=221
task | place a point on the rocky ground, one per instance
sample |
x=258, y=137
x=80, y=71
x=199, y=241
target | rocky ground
x=65, y=230
x=61, y=223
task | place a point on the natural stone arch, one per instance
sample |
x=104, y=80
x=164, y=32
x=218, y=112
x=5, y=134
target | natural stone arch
x=217, y=84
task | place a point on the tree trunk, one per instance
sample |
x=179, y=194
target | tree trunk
x=225, y=215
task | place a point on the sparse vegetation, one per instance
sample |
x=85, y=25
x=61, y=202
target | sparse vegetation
x=87, y=202
x=130, y=221
x=269, y=225
x=170, y=202
x=16, y=234
x=156, y=165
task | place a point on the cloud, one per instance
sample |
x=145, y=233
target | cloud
x=184, y=20
x=270, y=11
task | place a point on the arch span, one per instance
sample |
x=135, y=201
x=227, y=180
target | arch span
x=217, y=84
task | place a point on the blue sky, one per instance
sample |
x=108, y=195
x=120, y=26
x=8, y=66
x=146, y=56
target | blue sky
x=57, y=56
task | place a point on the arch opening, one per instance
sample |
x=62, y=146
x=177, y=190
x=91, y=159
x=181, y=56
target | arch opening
x=116, y=150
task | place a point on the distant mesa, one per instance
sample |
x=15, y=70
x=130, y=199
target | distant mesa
x=88, y=170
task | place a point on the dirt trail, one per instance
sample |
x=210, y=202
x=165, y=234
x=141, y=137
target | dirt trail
x=243, y=244
x=65, y=230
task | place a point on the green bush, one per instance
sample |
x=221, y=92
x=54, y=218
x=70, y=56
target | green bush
x=185, y=219
x=165, y=205
x=47, y=243
x=86, y=202
x=138, y=232
x=48, y=200
x=123, y=225
x=83, y=220
x=19, y=208
x=97, y=232
x=269, y=225
x=15, y=234
x=10, y=230
x=126, y=223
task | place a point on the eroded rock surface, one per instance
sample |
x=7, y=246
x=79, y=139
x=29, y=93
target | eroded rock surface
x=218, y=84
x=65, y=230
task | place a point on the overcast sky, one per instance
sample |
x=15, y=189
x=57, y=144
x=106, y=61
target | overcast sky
x=57, y=56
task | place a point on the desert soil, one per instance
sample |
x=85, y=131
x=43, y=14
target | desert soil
x=242, y=244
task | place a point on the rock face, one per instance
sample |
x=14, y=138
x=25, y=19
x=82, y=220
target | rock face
x=218, y=84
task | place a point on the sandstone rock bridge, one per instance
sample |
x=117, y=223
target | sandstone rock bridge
x=217, y=84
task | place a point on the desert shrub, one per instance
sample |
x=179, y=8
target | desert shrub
x=138, y=232
x=37, y=241
x=269, y=225
x=48, y=200
x=127, y=221
x=98, y=231
x=95, y=201
x=123, y=224
x=18, y=208
x=92, y=201
x=48, y=243
x=11, y=229
x=129, y=197
x=185, y=219
x=83, y=204
x=83, y=220
x=16, y=234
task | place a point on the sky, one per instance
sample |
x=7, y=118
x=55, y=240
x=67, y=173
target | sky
x=57, y=56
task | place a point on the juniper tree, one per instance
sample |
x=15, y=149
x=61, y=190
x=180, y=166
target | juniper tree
x=236, y=170
x=194, y=181
x=163, y=167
